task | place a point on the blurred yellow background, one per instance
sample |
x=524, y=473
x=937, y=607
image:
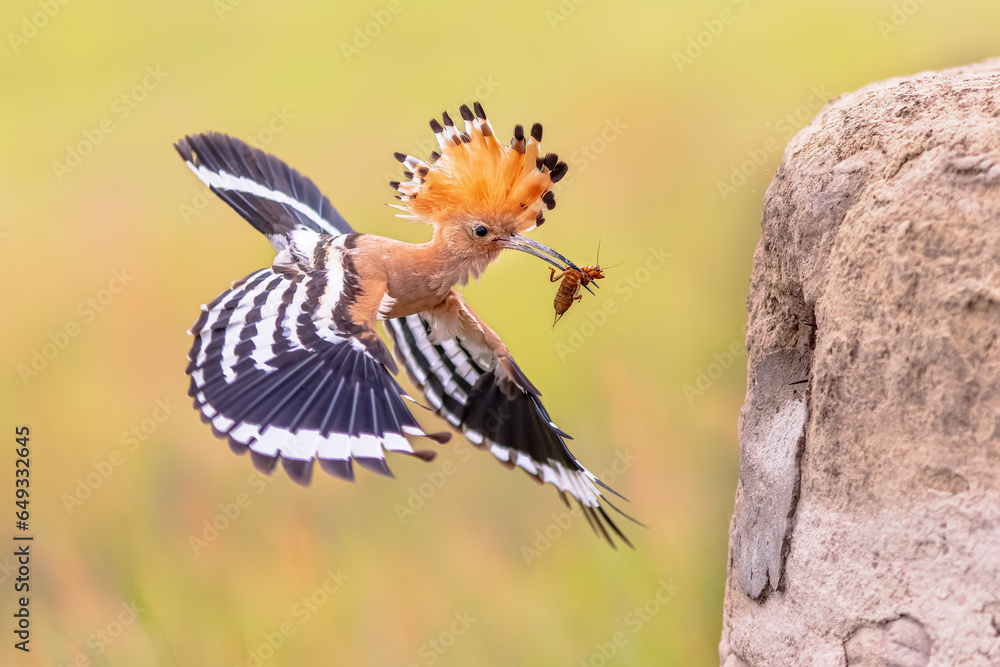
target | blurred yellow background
x=154, y=545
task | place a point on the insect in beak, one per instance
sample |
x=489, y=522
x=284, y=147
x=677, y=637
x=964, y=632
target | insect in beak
x=539, y=250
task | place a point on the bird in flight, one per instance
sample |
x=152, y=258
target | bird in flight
x=287, y=363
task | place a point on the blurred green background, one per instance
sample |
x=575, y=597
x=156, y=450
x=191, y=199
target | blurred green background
x=672, y=116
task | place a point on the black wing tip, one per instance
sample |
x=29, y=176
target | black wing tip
x=340, y=468
x=617, y=531
x=600, y=523
x=627, y=516
x=263, y=463
x=298, y=471
x=425, y=455
x=374, y=464
x=183, y=148
x=522, y=381
x=561, y=433
x=188, y=145
x=607, y=488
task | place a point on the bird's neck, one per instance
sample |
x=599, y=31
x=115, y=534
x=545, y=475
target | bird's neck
x=453, y=267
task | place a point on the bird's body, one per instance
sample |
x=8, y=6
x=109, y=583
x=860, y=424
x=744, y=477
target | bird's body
x=288, y=364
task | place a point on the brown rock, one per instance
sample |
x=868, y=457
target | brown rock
x=867, y=522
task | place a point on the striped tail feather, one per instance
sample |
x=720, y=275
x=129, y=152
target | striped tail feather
x=275, y=385
x=514, y=426
x=272, y=196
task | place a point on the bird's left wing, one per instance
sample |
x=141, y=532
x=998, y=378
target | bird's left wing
x=467, y=374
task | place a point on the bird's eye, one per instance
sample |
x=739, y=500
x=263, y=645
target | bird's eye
x=481, y=231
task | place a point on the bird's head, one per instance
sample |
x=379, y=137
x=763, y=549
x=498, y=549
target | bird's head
x=480, y=195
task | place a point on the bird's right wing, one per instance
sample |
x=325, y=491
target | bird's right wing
x=469, y=378
x=271, y=371
x=273, y=197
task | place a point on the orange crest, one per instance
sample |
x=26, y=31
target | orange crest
x=475, y=177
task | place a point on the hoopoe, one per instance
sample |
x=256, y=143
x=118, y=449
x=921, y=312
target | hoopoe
x=287, y=363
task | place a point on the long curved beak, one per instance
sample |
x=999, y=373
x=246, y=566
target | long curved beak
x=541, y=251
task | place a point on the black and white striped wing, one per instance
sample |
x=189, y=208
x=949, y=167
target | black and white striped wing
x=272, y=378
x=465, y=388
x=272, y=196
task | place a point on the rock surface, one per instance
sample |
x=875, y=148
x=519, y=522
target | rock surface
x=866, y=530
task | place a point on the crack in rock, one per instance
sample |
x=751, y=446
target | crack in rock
x=772, y=432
